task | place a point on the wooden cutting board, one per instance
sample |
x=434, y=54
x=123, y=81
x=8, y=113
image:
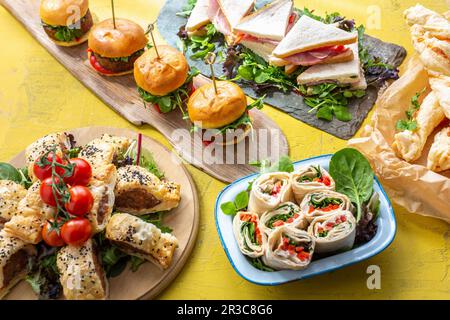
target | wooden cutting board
x=149, y=280
x=121, y=95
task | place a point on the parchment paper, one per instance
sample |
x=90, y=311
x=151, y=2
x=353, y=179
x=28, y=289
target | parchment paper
x=411, y=185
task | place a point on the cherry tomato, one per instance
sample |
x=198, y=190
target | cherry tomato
x=77, y=231
x=46, y=171
x=82, y=173
x=46, y=191
x=51, y=236
x=81, y=201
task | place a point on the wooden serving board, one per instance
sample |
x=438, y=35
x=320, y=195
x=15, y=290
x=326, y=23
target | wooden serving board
x=149, y=280
x=121, y=95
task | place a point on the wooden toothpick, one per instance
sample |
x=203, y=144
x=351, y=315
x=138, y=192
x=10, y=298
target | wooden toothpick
x=113, y=14
x=211, y=59
x=151, y=27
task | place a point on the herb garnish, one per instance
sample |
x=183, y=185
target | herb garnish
x=410, y=123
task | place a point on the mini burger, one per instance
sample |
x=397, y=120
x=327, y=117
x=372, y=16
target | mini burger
x=66, y=22
x=114, y=49
x=225, y=111
x=164, y=78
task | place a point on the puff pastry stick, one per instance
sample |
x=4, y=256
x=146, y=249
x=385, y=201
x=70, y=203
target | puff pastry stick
x=81, y=274
x=14, y=257
x=32, y=213
x=409, y=145
x=138, y=191
x=439, y=155
x=142, y=239
x=441, y=88
x=60, y=140
x=432, y=22
x=10, y=195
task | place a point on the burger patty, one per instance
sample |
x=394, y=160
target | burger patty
x=118, y=65
x=85, y=24
x=15, y=265
x=136, y=199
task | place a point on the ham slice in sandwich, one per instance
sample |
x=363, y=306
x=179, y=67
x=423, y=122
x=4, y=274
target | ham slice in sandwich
x=198, y=19
x=311, y=42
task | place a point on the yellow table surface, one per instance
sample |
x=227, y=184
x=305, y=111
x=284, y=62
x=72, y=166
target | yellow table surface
x=38, y=96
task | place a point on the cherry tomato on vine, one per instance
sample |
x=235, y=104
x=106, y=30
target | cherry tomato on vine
x=46, y=191
x=77, y=231
x=44, y=172
x=82, y=173
x=81, y=201
x=51, y=236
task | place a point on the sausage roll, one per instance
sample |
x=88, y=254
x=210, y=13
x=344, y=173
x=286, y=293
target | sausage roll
x=14, y=257
x=32, y=213
x=103, y=204
x=81, y=274
x=408, y=145
x=142, y=239
x=289, y=248
x=285, y=214
x=269, y=190
x=333, y=232
x=246, y=228
x=309, y=179
x=138, y=191
x=323, y=202
x=60, y=140
x=439, y=155
x=10, y=195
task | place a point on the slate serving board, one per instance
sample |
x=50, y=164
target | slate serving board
x=292, y=103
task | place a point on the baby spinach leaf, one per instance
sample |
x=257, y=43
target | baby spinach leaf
x=353, y=176
x=9, y=172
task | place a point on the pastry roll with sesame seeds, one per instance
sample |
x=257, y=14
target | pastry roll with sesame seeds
x=103, y=204
x=80, y=272
x=142, y=239
x=32, y=213
x=138, y=191
x=59, y=140
x=10, y=195
x=14, y=257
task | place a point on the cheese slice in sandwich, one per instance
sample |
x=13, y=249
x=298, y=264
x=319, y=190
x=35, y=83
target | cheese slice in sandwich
x=198, y=19
x=263, y=30
x=312, y=42
x=346, y=73
x=226, y=14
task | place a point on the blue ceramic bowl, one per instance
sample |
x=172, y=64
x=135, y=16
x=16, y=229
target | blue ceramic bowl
x=385, y=235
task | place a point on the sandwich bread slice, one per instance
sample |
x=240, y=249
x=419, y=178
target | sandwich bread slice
x=198, y=19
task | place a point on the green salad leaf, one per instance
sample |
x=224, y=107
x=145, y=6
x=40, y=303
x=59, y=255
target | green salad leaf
x=9, y=172
x=353, y=176
x=259, y=264
x=187, y=9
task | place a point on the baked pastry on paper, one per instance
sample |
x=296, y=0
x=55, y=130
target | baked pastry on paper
x=439, y=155
x=32, y=214
x=14, y=258
x=138, y=191
x=270, y=190
x=142, y=239
x=10, y=195
x=309, y=179
x=409, y=145
x=248, y=234
x=81, y=274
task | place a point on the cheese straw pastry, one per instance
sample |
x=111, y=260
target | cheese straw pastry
x=81, y=274
x=14, y=258
x=142, y=239
x=409, y=144
x=439, y=155
x=10, y=195
x=333, y=232
x=289, y=248
x=60, y=141
x=247, y=231
x=32, y=213
x=309, y=179
x=138, y=191
x=285, y=214
x=269, y=190
x=323, y=202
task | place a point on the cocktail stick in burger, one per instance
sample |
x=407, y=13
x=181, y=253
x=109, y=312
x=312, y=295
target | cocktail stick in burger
x=163, y=77
x=66, y=22
x=222, y=105
x=114, y=46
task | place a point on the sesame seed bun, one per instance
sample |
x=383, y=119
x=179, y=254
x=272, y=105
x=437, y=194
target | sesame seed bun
x=63, y=12
x=127, y=38
x=160, y=76
x=213, y=111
